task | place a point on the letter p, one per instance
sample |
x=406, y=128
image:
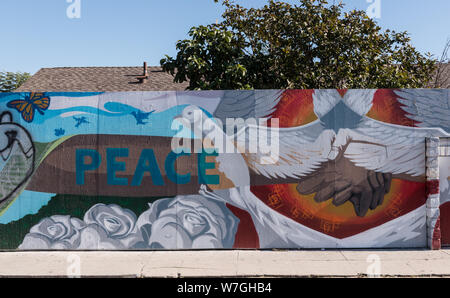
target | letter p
x=82, y=167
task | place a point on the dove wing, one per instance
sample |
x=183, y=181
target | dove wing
x=247, y=104
x=429, y=107
x=388, y=148
x=301, y=150
x=359, y=101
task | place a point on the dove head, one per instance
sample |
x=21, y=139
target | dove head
x=194, y=117
x=7, y=137
x=193, y=114
x=16, y=157
x=13, y=137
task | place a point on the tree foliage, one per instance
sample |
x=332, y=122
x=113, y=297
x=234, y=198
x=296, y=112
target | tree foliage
x=10, y=81
x=309, y=45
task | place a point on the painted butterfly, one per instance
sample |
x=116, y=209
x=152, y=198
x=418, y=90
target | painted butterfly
x=33, y=102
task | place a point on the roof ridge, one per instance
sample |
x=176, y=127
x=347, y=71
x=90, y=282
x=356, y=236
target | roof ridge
x=63, y=67
x=100, y=78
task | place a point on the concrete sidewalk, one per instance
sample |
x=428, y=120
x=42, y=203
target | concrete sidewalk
x=341, y=263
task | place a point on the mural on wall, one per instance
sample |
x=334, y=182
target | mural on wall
x=444, y=185
x=217, y=169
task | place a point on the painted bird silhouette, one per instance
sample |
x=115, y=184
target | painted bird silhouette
x=80, y=120
x=141, y=116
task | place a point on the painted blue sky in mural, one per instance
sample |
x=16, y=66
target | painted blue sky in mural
x=65, y=118
x=106, y=33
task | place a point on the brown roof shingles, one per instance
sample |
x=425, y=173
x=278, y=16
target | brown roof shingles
x=111, y=79
x=99, y=79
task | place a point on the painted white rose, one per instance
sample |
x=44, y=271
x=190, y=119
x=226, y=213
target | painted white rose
x=109, y=227
x=184, y=222
x=55, y=232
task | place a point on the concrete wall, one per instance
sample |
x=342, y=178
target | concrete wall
x=221, y=169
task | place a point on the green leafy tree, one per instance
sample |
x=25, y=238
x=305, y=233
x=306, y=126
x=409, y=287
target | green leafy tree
x=10, y=81
x=309, y=45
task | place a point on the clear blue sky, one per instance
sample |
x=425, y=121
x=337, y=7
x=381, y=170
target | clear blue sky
x=37, y=33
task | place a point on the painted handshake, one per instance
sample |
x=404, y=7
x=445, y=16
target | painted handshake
x=342, y=181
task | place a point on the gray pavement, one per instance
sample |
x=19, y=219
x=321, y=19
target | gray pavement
x=237, y=263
